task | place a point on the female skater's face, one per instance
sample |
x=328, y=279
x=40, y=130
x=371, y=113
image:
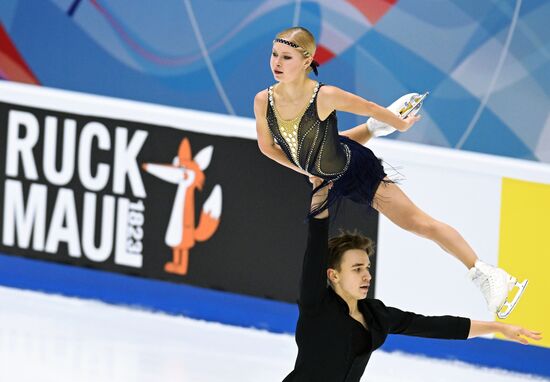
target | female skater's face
x=287, y=63
x=353, y=278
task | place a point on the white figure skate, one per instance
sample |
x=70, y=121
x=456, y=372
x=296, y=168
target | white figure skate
x=403, y=107
x=496, y=285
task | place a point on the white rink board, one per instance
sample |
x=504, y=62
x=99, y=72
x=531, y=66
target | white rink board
x=459, y=188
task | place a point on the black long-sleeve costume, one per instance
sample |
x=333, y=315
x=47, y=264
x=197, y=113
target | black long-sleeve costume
x=334, y=347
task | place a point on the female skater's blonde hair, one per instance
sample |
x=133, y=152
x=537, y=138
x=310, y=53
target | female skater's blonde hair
x=302, y=38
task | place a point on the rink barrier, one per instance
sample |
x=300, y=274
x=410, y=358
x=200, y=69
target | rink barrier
x=244, y=311
x=472, y=182
x=147, y=294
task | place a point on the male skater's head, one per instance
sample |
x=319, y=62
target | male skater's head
x=348, y=269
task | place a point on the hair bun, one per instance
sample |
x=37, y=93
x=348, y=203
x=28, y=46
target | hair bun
x=314, y=65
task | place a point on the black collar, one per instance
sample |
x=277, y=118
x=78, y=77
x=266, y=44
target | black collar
x=362, y=305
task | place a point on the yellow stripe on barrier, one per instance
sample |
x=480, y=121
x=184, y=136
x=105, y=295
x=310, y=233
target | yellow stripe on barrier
x=524, y=250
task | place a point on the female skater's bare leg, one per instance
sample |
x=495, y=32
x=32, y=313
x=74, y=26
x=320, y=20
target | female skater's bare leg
x=495, y=283
x=391, y=201
x=359, y=133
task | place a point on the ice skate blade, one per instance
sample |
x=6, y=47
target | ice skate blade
x=508, y=307
x=414, y=104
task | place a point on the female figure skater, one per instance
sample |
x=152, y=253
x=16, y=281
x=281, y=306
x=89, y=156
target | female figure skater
x=296, y=127
x=338, y=327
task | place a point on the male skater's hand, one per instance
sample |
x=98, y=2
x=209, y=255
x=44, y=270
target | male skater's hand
x=316, y=182
x=320, y=196
x=519, y=334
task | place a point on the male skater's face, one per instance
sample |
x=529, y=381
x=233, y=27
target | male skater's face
x=353, y=278
x=286, y=62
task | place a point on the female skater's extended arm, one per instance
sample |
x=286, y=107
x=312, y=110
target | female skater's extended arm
x=333, y=98
x=265, y=139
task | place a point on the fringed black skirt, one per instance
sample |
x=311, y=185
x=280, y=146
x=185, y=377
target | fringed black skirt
x=360, y=181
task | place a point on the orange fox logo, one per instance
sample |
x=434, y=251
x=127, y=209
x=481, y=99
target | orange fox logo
x=181, y=233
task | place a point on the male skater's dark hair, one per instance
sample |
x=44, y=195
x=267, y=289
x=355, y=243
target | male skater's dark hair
x=337, y=245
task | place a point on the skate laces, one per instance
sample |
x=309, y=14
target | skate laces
x=496, y=285
x=485, y=282
x=489, y=281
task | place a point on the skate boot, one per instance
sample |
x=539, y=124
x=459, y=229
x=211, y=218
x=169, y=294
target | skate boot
x=495, y=285
x=403, y=107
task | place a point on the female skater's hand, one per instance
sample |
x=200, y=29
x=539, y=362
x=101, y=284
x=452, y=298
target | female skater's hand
x=410, y=121
x=519, y=334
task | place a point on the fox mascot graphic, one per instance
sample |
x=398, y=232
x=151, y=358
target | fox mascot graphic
x=187, y=173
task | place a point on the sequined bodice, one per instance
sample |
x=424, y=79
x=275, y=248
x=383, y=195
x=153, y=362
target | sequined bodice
x=308, y=142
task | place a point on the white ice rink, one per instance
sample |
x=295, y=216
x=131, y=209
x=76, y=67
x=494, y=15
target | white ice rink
x=52, y=338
